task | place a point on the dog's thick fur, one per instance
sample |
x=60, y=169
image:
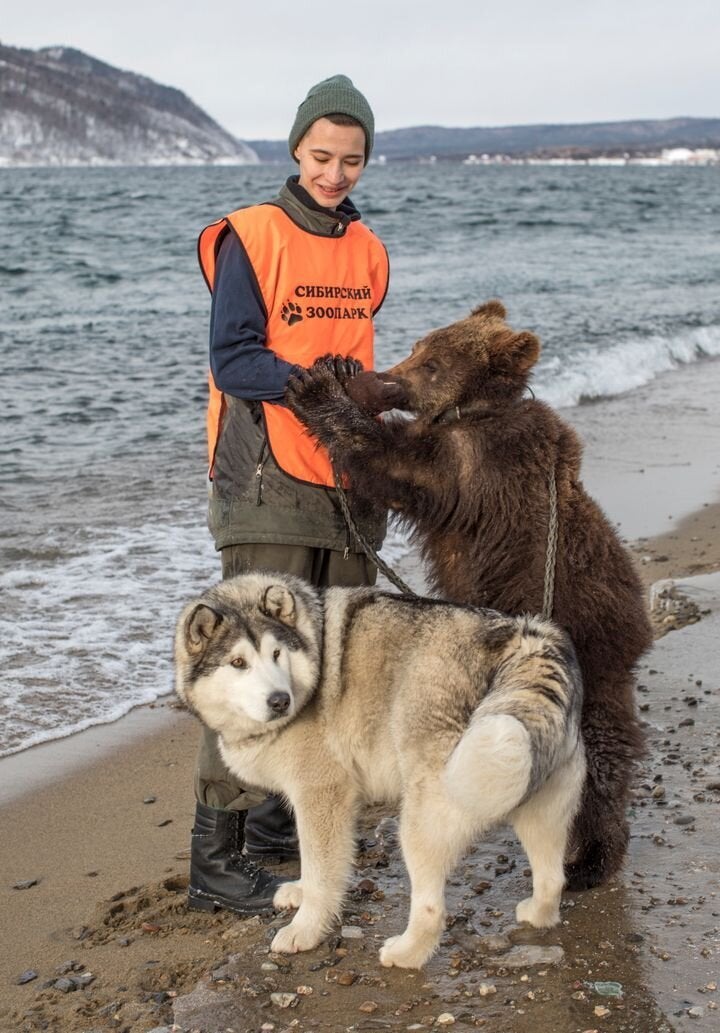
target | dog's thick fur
x=465, y=718
x=471, y=476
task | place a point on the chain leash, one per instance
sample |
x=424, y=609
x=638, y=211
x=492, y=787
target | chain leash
x=550, y=554
x=365, y=544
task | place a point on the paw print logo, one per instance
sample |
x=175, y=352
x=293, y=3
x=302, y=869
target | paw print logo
x=291, y=313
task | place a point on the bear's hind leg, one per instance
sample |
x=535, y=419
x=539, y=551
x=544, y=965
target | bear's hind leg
x=613, y=744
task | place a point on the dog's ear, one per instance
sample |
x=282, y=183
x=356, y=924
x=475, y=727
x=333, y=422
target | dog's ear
x=279, y=602
x=491, y=308
x=200, y=625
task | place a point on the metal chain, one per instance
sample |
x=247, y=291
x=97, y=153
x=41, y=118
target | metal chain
x=551, y=553
x=365, y=544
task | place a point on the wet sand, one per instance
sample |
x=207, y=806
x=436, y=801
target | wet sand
x=104, y=829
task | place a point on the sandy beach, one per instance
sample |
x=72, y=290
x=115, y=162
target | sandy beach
x=95, y=836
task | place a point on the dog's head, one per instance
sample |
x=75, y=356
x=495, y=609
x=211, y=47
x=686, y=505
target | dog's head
x=247, y=653
x=479, y=358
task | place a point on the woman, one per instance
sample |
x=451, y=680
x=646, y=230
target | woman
x=292, y=279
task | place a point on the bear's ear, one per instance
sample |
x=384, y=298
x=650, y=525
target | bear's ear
x=491, y=308
x=524, y=351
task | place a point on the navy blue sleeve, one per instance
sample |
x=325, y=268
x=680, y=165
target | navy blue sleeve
x=241, y=363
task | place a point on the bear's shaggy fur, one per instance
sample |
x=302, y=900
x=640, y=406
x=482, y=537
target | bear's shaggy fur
x=470, y=475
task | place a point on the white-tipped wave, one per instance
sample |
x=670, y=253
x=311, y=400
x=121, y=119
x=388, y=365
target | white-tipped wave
x=568, y=379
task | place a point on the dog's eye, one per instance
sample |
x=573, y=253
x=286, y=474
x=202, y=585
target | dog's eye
x=276, y=654
x=239, y=662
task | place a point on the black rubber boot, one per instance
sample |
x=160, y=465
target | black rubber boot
x=270, y=833
x=220, y=876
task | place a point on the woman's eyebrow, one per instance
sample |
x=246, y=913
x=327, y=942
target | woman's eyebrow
x=321, y=150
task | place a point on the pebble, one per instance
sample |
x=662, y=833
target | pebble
x=696, y=1013
x=601, y=1011
x=269, y=966
x=27, y=976
x=347, y=978
x=528, y=955
x=485, y=989
x=68, y=966
x=25, y=884
x=446, y=1019
x=684, y=819
x=65, y=986
x=150, y=927
x=352, y=932
x=150, y=799
x=284, y=1000
x=368, y=1007
x=481, y=886
x=367, y=886
x=608, y=989
x=494, y=942
x=304, y=991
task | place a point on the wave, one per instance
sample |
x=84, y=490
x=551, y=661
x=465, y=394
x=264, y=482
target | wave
x=86, y=629
x=585, y=375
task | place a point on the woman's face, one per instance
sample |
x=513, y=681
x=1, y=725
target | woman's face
x=331, y=159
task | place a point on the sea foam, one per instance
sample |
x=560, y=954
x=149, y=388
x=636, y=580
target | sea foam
x=89, y=636
x=584, y=374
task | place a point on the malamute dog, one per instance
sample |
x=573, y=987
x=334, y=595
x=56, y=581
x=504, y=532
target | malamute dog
x=464, y=718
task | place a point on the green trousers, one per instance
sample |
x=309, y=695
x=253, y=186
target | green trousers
x=214, y=784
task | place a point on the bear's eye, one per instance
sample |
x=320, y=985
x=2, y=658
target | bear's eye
x=430, y=366
x=239, y=662
x=276, y=654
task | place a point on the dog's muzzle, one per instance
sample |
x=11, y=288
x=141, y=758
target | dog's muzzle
x=279, y=704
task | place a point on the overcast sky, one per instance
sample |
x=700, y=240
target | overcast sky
x=452, y=62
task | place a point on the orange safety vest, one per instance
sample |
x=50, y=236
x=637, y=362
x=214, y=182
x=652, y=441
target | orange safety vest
x=320, y=295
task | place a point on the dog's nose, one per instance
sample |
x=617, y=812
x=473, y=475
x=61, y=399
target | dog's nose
x=279, y=702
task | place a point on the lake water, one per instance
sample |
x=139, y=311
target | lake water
x=103, y=336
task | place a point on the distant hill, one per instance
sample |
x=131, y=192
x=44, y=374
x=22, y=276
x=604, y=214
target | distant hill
x=535, y=141
x=59, y=106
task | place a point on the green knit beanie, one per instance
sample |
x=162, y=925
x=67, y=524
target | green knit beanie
x=333, y=96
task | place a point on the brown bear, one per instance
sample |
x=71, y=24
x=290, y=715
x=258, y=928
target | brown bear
x=471, y=476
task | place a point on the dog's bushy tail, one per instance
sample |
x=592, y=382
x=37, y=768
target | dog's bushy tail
x=525, y=727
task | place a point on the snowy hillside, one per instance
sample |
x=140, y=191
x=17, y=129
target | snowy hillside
x=58, y=106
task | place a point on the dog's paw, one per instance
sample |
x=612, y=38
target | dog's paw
x=404, y=952
x=288, y=894
x=542, y=916
x=296, y=937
